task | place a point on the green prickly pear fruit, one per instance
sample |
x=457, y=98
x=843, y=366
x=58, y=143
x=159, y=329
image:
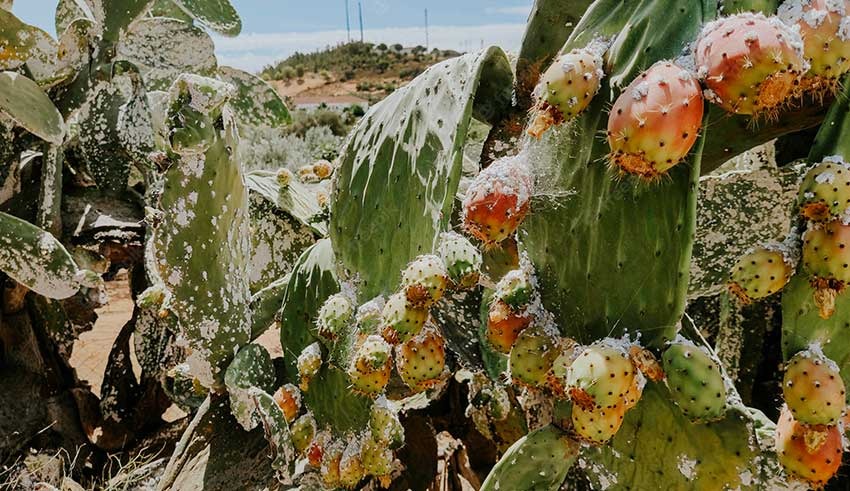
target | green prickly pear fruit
x=761, y=272
x=401, y=320
x=826, y=40
x=421, y=360
x=377, y=459
x=598, y=425
x=425, y=280
x=695, y=381
x=750, y=63
x=351, y=470
x=385, y=426
x=826, y=256
x=567, y=87
x=371, y=365
x=284, y=178
x=532, y=355
x=368, y=315
x=633, y=395
x=288, y=398
x=504, y=326
x=152, y=298
x=813, y=388
x=498, y=200
x=825, y=191
x=655, y=121
x=462, y=259
x=329, y=470
x=811, y=454
x=335, y=316
x=601, y=375
x=303, y=430
x=515, y=289
x=309, y=362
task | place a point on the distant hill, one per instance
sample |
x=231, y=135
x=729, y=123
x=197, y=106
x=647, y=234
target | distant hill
x=364, y=71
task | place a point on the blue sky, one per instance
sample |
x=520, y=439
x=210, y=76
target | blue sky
x=273, y=29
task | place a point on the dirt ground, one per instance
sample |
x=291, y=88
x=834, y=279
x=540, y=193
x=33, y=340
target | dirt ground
x=92, y=348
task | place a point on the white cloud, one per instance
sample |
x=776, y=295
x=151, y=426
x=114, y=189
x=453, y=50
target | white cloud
x=523, y=10
x=254, y=51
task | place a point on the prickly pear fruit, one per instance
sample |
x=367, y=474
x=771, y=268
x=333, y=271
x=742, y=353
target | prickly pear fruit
x=826, y=256
x=288, y=398
x=532, y=355
x=331, y=458
x=385, y=426
x=351, y=470
x=504, y=326
x=826, y=40
x=498, y=200
x=401, y=320
x=695, y=381
x=646, y=363
x=598, y=425
x=655, y=121
x=813, y=389
x=462, y=259
x=421, y=360
x=335, y=315
x=825, y=191
x=368, y=315
x=515, y=289
x=566, y=88
x=424, y=281
x=601, y=375
x=309, y=362
x=568, y=351
x=376, y=458
x=303, y=431
x=750, y=63
x=371, y=365
x=812, y=454
x=316, y=450
x=284, y=177
x=322, y=169
x=761, y=272
x=632, y=396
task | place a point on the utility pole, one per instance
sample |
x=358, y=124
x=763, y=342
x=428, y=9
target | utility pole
x=427, y=36
x=347, y=21
x=360, y=12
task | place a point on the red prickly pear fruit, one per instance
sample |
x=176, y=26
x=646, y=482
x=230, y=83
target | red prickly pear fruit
x=425, y=280
x=351, y=470
x=371, y=366
x=400, y=320
x=695, y=381
x=825, y=28
x=761, y=272
x=811, y=454
x=498, y=200
x=750, y=63
x=504, y=326
x=329, y=470
x=288, y=399
x=463, y=260
x=601, y=375
x=813, y=388
x=598, y=425
x=566, y=88
x=532, y=356
x=335, y=315
x=646, y=363
x=303, y=430
x=308, y=363
x=655, y=121
x=316, y=451
x=515, y=289
x=826, y=256
x=825, y=191
x=422, y=359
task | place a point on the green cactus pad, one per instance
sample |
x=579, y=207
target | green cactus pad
x=218, y=15
x=251, y=369
x=423, y=177
x=26, y=46
x=767, y=7
x=265, y=305
x=23, y=101
x=256, y=103
x=695, y=381
x=538, y=461
x=297, y=199
x=36, y=259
